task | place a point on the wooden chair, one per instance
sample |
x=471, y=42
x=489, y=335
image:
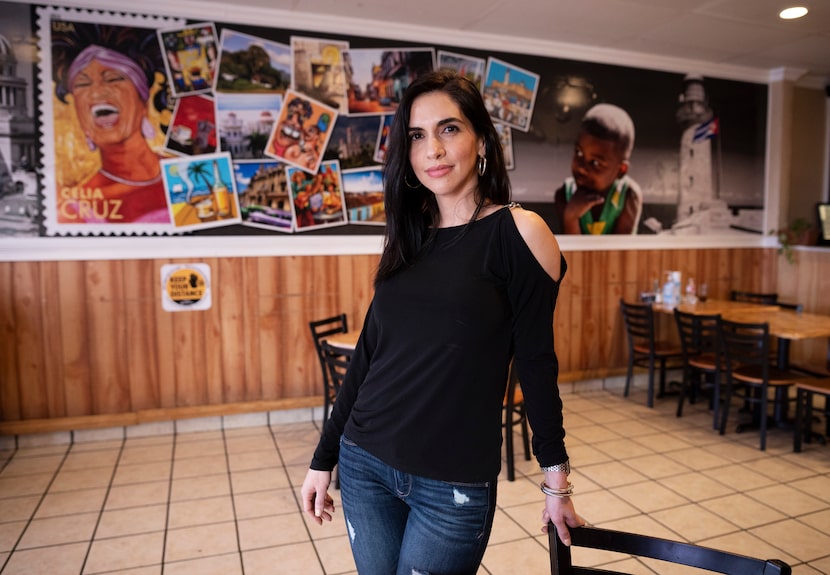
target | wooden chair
x=644, y=350
x=320, y=330
x=805, y=391
x=675, y=552
x=514, y=414
x=749, y=367
x=702, y=359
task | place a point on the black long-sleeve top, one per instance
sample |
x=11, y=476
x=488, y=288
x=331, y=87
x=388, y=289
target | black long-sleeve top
x=425, y=386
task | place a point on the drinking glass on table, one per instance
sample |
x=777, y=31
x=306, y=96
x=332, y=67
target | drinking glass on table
x=703, y=292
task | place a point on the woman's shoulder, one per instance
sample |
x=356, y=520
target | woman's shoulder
x=537, y=235
x=531, y=226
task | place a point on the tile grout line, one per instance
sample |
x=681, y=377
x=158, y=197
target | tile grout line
x=233, y=500
x=169, y=498
x=103, y=503
x=37, y=507
x=294, y=492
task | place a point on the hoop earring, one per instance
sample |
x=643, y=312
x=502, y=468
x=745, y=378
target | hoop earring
x=482, y=165
x=408, y=185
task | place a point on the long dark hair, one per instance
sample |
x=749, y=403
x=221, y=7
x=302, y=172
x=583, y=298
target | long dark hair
x=412, y=213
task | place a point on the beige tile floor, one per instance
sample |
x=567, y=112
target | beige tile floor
x=220, y=496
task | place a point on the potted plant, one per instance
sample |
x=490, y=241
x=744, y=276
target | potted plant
x=799, y=233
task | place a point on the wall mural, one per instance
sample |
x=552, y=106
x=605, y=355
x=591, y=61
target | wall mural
x=155, y=125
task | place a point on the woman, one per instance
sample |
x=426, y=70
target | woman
x=465, y=283
x=110, y=94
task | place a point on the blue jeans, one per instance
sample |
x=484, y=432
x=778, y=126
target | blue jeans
x=408, y=525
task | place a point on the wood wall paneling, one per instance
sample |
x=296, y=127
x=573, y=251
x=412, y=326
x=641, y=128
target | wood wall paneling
x=29, y=327
x=107, y=334
x=75, y=342
x=87, y=342
x=143, y=361
x=52, y=344
x=9, y=373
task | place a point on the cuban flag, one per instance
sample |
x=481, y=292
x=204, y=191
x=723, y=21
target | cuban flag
x=706, y=131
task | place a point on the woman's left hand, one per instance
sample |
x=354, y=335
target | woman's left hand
x=561, y=511
x=317, y=503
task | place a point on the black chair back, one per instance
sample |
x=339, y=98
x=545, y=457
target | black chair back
x=700, y=343
x=746, y=350
x=754, y=297
x=639, y=323
x=320, y=330
x=770, y=298
x=698, y=333
x=337, y=361
x=667, y=550
x=643, y=348
x=746, y=345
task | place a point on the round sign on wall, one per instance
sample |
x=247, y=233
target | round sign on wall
x=185, y=287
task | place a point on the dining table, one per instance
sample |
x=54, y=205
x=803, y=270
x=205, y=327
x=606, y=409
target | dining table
x=344, y=340
x=785, y=324
x=715, y=306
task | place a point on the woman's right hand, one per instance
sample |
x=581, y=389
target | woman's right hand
x=317, y=502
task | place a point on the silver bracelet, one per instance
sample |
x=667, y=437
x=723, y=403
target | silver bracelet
x=565, y=492
x=558, y=468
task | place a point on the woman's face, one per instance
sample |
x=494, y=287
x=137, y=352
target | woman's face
x=444, y=147
x=107, y=104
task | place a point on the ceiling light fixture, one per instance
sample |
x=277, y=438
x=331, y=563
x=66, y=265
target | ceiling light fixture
x=792, y=13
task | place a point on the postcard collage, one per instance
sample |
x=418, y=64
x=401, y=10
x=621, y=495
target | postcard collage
x=160, y=125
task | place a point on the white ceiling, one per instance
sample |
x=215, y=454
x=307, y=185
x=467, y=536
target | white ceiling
x=740, y=33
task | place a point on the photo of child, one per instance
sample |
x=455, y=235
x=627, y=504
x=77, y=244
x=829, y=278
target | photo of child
x=600, y=197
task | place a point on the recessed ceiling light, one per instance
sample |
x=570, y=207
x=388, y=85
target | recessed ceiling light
x=792, y=13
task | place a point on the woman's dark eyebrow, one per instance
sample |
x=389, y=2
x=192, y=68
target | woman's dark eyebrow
x=449, y=121
x=444, y=122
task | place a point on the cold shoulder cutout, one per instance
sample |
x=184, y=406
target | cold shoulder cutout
x=538, y=237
